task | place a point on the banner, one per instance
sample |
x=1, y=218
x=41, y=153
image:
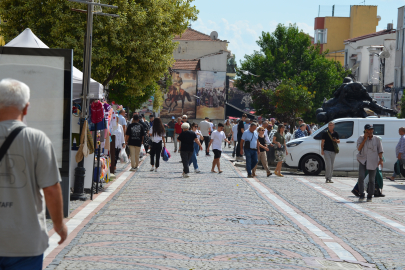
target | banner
x=180, y=99
x=211, y=95
x=383, y=99
x=239, y=98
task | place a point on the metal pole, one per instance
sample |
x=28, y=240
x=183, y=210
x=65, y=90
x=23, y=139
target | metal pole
x=80, y=171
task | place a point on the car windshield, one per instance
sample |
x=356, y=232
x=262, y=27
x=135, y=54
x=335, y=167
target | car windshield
x=319, y=130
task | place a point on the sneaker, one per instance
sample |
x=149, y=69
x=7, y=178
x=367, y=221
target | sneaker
x=197, y=171
x=250, y=176
x=361, y=197
x=155, y=169
x=229, y=146
x=152, y=169
x=133, y=169
x=186, y=175
x=369, y=199
x=327, y=181
x=330, y=181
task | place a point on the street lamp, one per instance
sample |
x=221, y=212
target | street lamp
x=78, y=191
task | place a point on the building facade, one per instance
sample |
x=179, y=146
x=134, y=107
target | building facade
x=331, y=32
x=370, y=66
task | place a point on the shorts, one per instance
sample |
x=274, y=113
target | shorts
x=217, y=153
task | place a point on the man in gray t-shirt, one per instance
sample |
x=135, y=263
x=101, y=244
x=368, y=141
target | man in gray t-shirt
x=28, y=173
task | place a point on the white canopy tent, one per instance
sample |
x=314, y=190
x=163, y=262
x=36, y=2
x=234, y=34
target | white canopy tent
x=27, y=39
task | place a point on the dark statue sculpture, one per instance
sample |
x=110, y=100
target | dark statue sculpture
x=349, y=100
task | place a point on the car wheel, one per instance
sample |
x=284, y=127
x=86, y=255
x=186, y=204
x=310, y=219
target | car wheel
x=311, y=165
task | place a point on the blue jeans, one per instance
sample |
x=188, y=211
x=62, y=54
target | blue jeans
x=21, y=263
x=251, y=159
x=194, y=156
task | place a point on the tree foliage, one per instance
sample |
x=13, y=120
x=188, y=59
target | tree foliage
x=287, y=55
x=136, y=48
x=290, y=100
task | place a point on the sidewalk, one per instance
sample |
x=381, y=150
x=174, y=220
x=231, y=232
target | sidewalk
x=225, y=221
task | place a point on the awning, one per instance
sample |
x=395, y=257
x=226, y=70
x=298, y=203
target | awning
x=27, y=39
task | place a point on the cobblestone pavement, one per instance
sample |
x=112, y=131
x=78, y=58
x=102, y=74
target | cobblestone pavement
x=158, y=220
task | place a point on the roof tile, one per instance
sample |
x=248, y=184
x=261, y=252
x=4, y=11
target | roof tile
x=193, y=64
x=191, y=34
x=379, y=33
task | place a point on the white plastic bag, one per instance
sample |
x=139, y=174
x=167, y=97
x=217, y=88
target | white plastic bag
x=123, y=156
x=142, y=152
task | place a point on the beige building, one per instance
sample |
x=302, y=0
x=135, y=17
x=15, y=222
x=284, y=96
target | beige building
x=211, y=52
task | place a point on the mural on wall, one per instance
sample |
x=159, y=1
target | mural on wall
x=180, y=98
x=239, y=98
x=211, y=95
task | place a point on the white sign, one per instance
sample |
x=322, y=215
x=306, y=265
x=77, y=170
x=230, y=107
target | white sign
x=383, y=99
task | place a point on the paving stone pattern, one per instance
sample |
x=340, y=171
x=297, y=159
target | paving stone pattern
x=375, y=241
x=159, y=220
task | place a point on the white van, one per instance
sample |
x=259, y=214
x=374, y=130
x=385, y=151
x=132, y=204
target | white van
x=305, y=153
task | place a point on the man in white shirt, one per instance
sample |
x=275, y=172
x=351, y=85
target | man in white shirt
x=216, y=140
x=234, y=138
x=205, y=128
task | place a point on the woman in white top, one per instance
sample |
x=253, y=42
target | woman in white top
x=157, y=133
x=118, y=131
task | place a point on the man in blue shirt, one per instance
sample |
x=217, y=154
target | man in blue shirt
x=249, y=142
x=151, y=118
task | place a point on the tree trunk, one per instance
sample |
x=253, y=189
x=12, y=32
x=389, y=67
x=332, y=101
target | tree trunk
x=113, y=72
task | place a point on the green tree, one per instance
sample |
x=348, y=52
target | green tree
x=136, y=48
x=287, y=54
x=290, y=101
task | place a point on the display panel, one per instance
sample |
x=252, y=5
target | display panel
x=212, y=95
x=48, y=73
x=181, y=97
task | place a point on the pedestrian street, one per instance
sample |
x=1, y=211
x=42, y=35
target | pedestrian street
x=159, y=220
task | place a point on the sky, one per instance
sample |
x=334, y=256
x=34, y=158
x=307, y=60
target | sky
x=242, y=22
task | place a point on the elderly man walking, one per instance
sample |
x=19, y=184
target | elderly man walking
x=329, y=149
x=249, y=143
x=187, y=139
x=369, y=157
x=30, y=172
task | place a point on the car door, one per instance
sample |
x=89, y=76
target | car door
x=345, y=160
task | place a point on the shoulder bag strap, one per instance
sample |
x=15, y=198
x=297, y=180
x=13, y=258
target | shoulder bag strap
x=9, y=140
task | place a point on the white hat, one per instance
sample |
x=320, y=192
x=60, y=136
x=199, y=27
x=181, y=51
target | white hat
x=185, y=126
x=184, y=116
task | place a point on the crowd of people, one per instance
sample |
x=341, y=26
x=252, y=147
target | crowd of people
x=252, y=139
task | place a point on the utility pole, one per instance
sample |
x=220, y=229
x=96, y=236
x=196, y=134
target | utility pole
x=80, y=171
